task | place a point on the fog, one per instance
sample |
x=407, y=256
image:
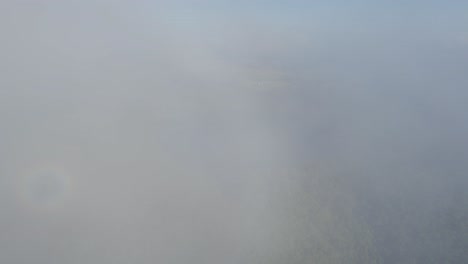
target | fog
x=248, y=132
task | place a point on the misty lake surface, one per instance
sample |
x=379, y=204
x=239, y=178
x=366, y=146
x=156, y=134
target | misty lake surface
x=235, y=132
